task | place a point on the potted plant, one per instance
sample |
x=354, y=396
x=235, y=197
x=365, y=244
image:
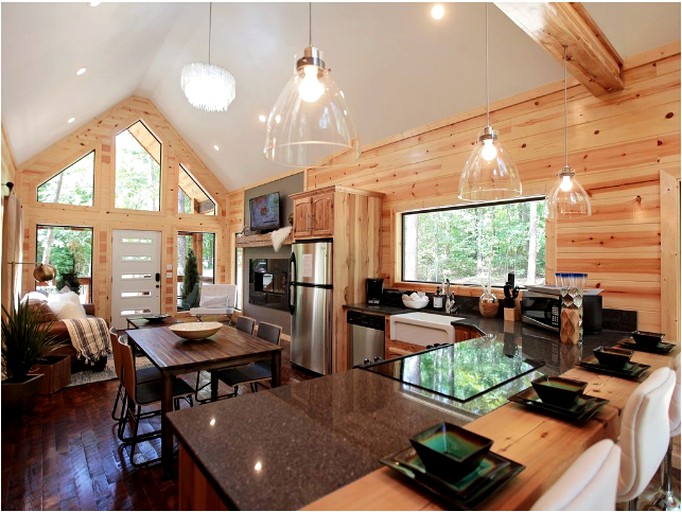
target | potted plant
x=24, y=340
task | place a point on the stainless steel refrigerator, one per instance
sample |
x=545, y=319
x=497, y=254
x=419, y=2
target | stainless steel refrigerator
x=310, y=304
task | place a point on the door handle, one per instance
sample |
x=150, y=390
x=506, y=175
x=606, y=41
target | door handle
x=157, y=277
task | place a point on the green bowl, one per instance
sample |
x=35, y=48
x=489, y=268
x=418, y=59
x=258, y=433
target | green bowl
x=647, y=339
x=558, y=390
x=449, y=451
x=612, y=357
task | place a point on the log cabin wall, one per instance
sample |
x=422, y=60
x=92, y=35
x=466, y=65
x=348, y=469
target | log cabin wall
x=100, y=135
x=619, y=145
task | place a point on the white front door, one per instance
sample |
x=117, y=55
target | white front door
x=135, y=275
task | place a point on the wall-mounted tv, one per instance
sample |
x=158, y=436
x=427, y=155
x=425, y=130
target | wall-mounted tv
x=264, y=212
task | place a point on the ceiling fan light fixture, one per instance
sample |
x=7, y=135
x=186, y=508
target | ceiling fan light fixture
x=310, y=121
x=567, y=198
x=489, y=174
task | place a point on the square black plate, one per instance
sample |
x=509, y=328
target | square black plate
x=493, y=472
x=661, y=348
x=631, y=371
x=584, y=408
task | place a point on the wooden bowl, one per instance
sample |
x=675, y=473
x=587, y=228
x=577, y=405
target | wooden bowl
x=195, y=330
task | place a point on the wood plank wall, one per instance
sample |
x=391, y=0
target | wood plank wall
x=9, y=172
x=100, y=135
x=619, y=145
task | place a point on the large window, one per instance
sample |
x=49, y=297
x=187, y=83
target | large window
x=69, y=249
x=469, y=243
x=192, y=198
x=138, y=169
x=198, y=251
x=74, y=185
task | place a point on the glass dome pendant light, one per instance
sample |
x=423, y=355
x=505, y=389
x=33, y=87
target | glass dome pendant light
x=567, y=198
x=489, y=174
x=310, y=121
x=206, y=86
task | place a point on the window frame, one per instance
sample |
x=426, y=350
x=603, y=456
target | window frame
x=183, y=168
x=64, y=168
x=461, y=206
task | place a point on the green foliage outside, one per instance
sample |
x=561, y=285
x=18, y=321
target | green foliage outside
x=69, y=250
x=191, y=278
x=68, y=276
x=465, y=244
x=74, y=185
x=137, y=175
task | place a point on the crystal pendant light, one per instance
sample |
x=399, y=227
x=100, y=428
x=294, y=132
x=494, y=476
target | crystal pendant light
x=489, y=174
x=567, y=197
x=310, y=121
x=206, y=86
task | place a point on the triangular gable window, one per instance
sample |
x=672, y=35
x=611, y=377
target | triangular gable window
x=138, y=169
x=192, y=198
x=74, y=185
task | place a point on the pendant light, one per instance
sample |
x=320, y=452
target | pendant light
x=489, y=174
x=567, y=197
x=310, y=120
x=206, y=86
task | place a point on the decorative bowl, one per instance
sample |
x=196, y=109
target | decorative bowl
x=612, y=357
x=195, y=330
x=450, y=451
x=415, y=304
x=558, y=390
x=155, y=318
x=647, y=339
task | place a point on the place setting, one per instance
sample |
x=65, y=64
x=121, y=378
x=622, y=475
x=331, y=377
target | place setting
x=455, y=464
x=645, y=341
x=559, y=396
x=614, y=361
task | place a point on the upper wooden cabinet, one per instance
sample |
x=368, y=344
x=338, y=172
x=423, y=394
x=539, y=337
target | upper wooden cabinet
x=313, y=215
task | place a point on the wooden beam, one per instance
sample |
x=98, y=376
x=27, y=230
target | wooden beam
x=592, y=60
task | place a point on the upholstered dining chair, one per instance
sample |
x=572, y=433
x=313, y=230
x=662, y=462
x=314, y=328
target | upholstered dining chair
x=139, y=395
x=588, y=484
x=644, y=434
x=665, y=498
x=246, y=324
x=254, y=373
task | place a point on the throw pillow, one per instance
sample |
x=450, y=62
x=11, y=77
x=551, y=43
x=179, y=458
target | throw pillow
x=42, y=309
x=66, y=305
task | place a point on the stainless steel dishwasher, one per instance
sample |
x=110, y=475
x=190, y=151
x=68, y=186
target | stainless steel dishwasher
x=366, y=337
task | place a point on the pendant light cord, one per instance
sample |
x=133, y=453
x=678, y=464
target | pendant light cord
x=210, y=16
x=487, y=79
x=565, y=111
x=310, y=23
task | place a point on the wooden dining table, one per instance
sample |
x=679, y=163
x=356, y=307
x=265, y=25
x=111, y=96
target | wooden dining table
x=175, y=356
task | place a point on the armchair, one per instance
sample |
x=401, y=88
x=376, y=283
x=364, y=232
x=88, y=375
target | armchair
x=216, y=299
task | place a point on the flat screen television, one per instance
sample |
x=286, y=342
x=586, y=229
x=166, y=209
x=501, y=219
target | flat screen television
x=264, y=212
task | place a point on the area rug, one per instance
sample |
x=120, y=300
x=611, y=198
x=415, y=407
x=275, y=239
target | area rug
x=109, y=372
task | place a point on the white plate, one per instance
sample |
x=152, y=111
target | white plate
x=195, y=330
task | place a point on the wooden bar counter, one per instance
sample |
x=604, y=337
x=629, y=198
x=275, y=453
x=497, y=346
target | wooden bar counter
x=546, y=446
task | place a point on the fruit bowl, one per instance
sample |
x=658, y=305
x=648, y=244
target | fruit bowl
x=412, y=303
x=195, y=330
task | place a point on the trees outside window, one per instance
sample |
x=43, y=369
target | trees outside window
x=192, y=198
x=466, y=244
x=69, y=249
x=138, y=169
x=202, y=246
x=73, y=185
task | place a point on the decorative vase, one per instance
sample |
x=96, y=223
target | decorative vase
x=488, y=305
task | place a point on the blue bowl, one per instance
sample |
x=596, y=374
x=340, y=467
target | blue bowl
x=450, y=451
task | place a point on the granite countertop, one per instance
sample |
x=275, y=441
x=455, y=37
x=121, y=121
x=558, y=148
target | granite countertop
x=284, y=448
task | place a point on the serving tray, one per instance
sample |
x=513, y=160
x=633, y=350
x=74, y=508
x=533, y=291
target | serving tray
x=584, y=408
x=661, y=348
x=631, y=371
x=492, y=473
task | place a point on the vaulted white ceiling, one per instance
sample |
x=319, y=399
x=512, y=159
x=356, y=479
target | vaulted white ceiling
x=398, y=67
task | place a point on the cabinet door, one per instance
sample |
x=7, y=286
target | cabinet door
x=302, y=217
x=465, y=332
x=323, y=214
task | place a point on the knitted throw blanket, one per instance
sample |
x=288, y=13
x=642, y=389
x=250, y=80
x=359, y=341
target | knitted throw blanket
x=90, y=338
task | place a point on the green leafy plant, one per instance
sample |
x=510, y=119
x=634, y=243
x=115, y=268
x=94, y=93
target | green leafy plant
x=24, y=338
x=68, y=276
x=191, y=275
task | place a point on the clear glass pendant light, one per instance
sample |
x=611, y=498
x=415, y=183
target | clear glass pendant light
x=489, y=173
x=310, y=120
x=567, y=198
x=206, y=86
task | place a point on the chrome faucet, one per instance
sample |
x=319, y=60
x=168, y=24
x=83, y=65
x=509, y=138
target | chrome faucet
x=450, y=306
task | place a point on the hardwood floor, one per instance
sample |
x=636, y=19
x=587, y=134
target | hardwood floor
x=65, y=455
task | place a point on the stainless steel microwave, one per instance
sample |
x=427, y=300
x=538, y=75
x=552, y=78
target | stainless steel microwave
x=543, y=311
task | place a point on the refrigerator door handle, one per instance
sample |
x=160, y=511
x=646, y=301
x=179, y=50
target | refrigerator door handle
x=291, y=288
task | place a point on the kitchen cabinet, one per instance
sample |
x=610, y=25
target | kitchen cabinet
x=466, y=332
x=397, y=348
x=313, y=215
x=351, y=218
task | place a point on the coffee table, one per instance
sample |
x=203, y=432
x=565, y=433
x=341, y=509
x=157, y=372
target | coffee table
x=140, y=323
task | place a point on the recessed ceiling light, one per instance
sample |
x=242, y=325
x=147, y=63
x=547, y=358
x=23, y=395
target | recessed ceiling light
x=262, y=118
x=81, y=71
x=216, y=147
x=437, y=12
x=71, y=120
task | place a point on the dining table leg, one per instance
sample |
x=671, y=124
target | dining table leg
x=276, y=368
x=166, y=432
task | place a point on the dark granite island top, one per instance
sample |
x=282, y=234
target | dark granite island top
x=284, y=448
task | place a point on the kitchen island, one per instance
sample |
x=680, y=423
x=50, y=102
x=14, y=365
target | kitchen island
x=319, y=442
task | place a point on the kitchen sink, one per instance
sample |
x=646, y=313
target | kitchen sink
x=423, y=328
